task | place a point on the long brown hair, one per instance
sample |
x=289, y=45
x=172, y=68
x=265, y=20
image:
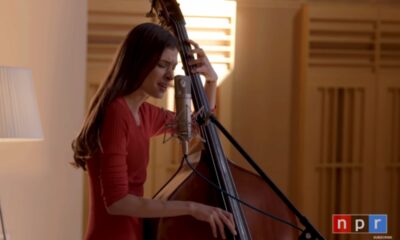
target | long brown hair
x=137, y=56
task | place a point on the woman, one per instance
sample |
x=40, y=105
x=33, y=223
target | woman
x=113, y=143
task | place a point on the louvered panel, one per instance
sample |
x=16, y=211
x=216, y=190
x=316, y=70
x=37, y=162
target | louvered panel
x=338, y=57
x=321, y=25
x=341, y=43
x=109, y=22
x=388, y=150
x=202, y=36
x=338, y=38
x=220, y=23
x=113, y=20
x=100, y=57
x=339, y=166
x=96, y=71
x=343, y=51
x=102, y=48
x=389, y=38
x=105, y=36
x=338, y=61
x=350, y=112
x=342, y=12
x=393, y=164
x=389, y=155
x=390, y=44
x=214, y=29
x=119, y=7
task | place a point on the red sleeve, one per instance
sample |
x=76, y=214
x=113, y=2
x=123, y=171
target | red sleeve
x=113, y=166
x=159, y=118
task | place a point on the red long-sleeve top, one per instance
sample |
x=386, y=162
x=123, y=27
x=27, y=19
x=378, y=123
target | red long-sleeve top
x=120, y=168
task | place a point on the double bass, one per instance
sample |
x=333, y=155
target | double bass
x=212, y=179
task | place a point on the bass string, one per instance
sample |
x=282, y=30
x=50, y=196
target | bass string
x=200, y=97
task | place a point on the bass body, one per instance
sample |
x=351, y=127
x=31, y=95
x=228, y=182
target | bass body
x=188, y=185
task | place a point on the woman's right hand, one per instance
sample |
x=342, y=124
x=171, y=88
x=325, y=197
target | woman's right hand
x=216, y=217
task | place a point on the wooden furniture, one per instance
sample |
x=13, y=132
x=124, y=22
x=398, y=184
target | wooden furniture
x=347, y=123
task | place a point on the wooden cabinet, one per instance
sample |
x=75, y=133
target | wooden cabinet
x=347, y=125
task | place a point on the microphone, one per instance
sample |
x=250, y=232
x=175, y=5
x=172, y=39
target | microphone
x=183, y=100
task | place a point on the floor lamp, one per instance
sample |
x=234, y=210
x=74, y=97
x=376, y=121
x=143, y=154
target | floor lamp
x=19, y=115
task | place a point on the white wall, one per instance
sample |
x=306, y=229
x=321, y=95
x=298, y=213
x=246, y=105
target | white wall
x=41, y=195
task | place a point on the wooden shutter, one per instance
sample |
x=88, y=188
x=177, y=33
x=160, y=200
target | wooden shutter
x=347, y=145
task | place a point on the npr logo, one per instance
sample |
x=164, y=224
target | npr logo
x=362, y=223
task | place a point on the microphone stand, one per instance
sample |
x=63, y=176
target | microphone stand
x=309, y=233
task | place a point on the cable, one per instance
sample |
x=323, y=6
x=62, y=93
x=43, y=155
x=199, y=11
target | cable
x=185, y=158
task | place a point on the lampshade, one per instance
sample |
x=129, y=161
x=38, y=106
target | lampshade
x=19, y=115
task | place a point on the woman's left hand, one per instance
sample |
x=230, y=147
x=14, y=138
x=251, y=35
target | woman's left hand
x=201, y=64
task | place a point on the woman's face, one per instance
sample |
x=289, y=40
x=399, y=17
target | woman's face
x=156, y=82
